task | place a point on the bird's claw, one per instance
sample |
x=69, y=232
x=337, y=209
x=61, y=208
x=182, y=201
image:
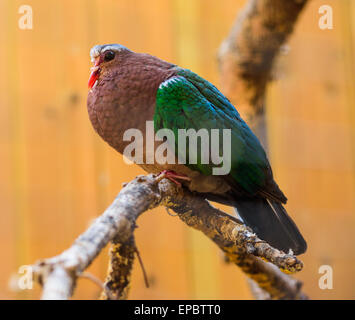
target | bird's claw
x=172, y=176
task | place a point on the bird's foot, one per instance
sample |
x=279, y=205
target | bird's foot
x=172, y=176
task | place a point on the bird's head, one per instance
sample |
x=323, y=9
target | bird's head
x=103, y=55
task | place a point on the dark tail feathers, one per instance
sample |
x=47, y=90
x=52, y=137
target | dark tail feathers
x=270, y=221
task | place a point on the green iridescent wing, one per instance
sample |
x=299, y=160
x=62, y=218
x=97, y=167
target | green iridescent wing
x=187, y=101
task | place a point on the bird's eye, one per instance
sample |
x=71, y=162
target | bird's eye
x=109, y=55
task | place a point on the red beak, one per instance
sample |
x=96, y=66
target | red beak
x=95, y=73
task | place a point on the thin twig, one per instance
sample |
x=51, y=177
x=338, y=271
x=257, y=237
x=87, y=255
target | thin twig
x=98, y=282
x=142, y=267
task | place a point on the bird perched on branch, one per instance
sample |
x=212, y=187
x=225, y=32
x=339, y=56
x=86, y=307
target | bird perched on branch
x=128, y=88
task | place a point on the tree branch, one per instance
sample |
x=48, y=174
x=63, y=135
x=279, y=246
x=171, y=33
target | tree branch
x=247, y=55
x=119, y=270
x=242, y=247
x=58, y=274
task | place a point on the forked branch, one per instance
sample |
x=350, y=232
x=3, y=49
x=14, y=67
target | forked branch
x=58, y=275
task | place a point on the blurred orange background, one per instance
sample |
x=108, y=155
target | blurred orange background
x=57, y=175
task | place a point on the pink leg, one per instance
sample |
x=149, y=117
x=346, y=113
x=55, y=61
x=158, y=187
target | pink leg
x=173, y=176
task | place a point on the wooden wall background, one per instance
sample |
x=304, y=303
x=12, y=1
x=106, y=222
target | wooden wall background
x=56, y=175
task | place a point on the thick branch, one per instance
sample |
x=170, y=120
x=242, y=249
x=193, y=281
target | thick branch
x=117, y=222
x=58, y=274
x=243, y=247
x=119, y=269
x=247, y=55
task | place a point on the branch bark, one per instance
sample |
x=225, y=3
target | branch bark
x=58, y=275
x=118, y=278
x=247, y=55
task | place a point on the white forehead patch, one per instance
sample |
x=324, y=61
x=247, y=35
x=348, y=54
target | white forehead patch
x=98, y=49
